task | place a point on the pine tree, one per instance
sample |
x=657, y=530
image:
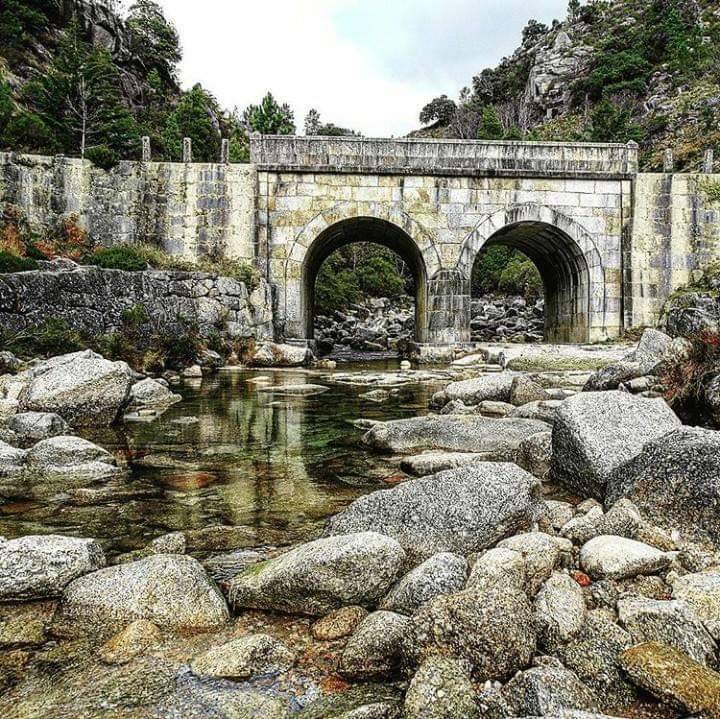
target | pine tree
x=312, y=122
x=194, y=117
x=270, y=118
x=153, y=39
x=490, y=127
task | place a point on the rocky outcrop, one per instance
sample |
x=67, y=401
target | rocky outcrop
x=93, y=300
x=423, y=514
x=270, y=354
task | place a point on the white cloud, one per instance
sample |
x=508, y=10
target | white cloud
x=365, y=64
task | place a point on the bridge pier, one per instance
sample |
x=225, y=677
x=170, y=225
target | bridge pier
x=448, y=309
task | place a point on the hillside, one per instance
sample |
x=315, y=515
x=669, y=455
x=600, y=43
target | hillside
x=643, y=70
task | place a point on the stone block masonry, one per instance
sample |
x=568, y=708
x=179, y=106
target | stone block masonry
x=610, y=243
x=190, y=210
x=93, y=300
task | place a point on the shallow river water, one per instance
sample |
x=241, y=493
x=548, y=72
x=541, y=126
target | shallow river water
x=235, y=452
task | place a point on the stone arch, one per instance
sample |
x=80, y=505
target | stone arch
x=340, y=225
x=568, y=260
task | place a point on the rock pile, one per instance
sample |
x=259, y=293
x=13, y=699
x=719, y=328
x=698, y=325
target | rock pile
x=507, y=319
x=378, y=325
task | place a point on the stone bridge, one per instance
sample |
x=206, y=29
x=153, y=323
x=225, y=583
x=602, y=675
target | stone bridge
x=610, y=243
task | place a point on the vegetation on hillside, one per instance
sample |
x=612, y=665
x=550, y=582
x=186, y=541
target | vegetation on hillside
x=649, y=71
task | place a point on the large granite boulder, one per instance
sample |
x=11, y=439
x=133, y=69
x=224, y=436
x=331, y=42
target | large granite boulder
x=701, y=591
x=172, y=591
x=494, y=386
x=323, y=575
x=462, y=510
x=84, y=388
x=609, y=557
x=244, y=658
x=70, y=455
x=559, y=611
x=35, y=567
x=148, y=393
x=496, y=439
x=596, y=432
x=675, y=479
x=34, y=426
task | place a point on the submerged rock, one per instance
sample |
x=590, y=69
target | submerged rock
x=427, y=463
x=173, y=591
x=675, y=478
x=596, y=432
x=131, y=642
x=70, y=455
x=339, y=623
x=323, y=575
x=462, y=510
x=497, y=439
x=36, y=567
x=244, y=658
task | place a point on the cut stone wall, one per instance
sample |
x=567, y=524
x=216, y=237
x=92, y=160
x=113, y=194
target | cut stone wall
x=676, y=229
x=93, y=300
x=190, y=210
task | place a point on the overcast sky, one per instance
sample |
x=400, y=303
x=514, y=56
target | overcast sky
x=369, y=65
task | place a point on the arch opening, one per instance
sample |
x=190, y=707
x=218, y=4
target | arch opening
x=564, y=271
x=363, y=230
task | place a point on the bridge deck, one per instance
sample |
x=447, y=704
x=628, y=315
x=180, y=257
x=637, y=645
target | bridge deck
x=475, y=158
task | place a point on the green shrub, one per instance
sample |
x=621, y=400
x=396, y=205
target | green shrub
x=51, y=337
x=123, y=257
x=13, y=263
x=503, y=269
x=103, y=157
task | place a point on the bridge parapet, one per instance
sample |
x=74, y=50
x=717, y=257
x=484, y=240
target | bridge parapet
x=412, y=156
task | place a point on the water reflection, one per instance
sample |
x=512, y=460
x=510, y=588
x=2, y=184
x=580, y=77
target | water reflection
x=226, y=455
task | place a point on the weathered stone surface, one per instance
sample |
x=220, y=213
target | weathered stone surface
x=83, y=388
x=271, y=354
x=525, y=389
x=542, y=554
x=535, y=454
x=596, y=432
x=172, y=591
x=593, y=654
x=441, y=689
x=619, y=558
x=34, y=567
x=701, y=591
x=35, y=426
x=668, y=622
x=674, y=678
x=498, y=566
x=497, y=439
x=422, y=514
x=376, y=646
x=339, y=623
x=559, y=611
x=72, y=455
x=244, y=658
x=12, y=460
x=443, y=573
x=544, y=691
x=675, y=479
x=135, y=639
x=213, y=303
x=361, y=701
x=473, y=391
x=490, y=627
x=323, y=575
x=541, y=411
